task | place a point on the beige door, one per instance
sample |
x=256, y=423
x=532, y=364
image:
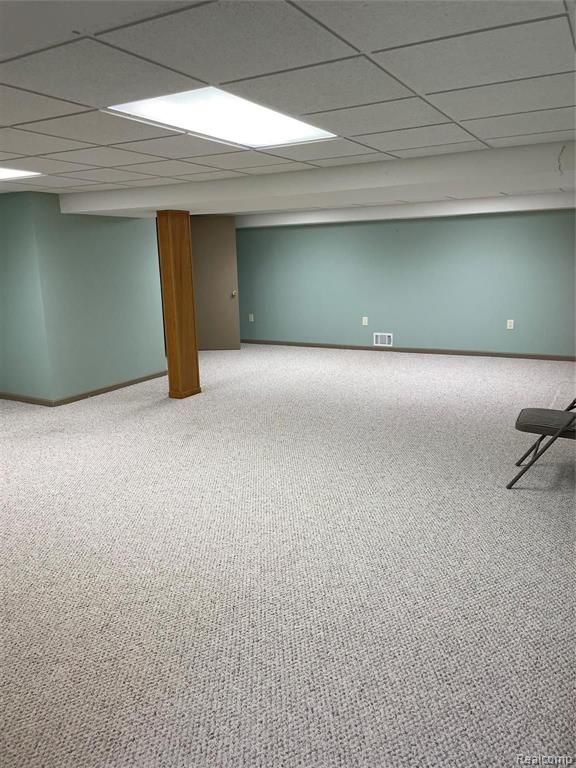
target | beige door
x=215, y=282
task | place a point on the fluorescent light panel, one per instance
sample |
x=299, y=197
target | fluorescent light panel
x=214, y=114
x=13, y=173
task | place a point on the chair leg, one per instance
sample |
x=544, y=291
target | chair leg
x=533, y=449
x=535, y=458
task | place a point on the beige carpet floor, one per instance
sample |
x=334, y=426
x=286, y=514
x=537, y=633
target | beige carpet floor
x=313, y=564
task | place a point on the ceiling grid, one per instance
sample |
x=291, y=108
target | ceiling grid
x=393, y=79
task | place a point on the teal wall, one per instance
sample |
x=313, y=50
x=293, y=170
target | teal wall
x=88, y=288
x=24, y=363
x=448, y=283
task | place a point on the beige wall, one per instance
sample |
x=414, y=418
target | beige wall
x=215, y=281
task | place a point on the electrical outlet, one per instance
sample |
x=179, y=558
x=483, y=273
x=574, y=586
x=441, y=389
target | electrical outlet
x=364, y=321
x=509, y=325
x=250, y=318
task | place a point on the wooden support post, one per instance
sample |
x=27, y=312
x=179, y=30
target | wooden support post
x=175, y=250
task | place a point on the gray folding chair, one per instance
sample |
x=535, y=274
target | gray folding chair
x=545, y=422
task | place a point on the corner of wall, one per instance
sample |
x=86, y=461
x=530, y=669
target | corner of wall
x=26, y=369
x=35, y=199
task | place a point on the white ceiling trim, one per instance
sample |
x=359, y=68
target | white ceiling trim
x=467, y=175
x=549, y=201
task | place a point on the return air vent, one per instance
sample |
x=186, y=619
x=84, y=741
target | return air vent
x=383, y=340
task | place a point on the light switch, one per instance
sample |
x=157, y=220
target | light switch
x=364, y=321
x=509, y=325
x=250, y=318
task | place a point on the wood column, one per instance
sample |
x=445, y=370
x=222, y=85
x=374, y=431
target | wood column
x=175, y=251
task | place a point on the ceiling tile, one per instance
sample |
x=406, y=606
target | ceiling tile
x=390, y=116
x=230, y=40
x=277, y=168
x=440, y=149
x=179, y=146
x=514, y=190
x=374, y=205
x=18, y=106
x=25, y=143
x=245, y=159
x=375, y=25
x=506, y=98
x=105, y=175
x=101, y=156
x=531, y=122
x=316, y=150
x=212, y=176
x=533, y=138
x=415, y=137
x=94, y=188
x=528, y=50
x=167, y=168
x=51, y=182
x=92, y=73
x=152, y=181
x=98, y=128
x=474, y=194
x=8, y=187
x=61, y=20
x=412, y=196
x=7, y=155
x=374, y=157
x=571, y=8
x=45, y=165
x=326, y=86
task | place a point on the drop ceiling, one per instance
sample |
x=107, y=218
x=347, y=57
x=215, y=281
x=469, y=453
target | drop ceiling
x=396, y=80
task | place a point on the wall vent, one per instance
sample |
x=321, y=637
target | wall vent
x=383, y=340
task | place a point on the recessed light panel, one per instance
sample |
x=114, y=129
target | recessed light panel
x=216, y=114
x=12, y=173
